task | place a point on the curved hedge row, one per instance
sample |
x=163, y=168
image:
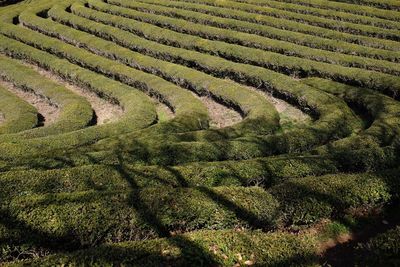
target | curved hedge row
x=17, y=115
x=145, y=190
x=385, y=4
x=325, y=107
x=256, y=111
x=207, y=247
x=140, y=214
x=75, y=111
x=139, y=111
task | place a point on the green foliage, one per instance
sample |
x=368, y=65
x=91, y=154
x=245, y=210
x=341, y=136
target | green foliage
x=75, y=111
x=381, y=250
x=277, y=62
x=308, y=200
x=203, y=248
x=251, y=40
x=145, y=190
x=16, y=113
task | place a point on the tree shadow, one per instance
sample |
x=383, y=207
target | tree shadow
x=187, y=246
x=9, y=2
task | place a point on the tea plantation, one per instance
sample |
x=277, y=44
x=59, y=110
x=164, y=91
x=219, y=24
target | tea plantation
x=200, y=133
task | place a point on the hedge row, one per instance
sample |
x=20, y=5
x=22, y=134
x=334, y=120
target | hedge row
x=189, y=12
x=356, y=9
x=328, y=13
x=384, y=111
x=385, y=4
x=319, y=97
x=264, y=172
x=17, y=114
x=245, y=153
x=308, y=19
x=248, y=152
x=291, y=65
x=307, y=200
x=260, y=115
x=201, y=248
x=250, y=40
x=187, y=121
x=382, y=130
x=139, y=111
x=261, y=171
x=75, y=111
x=181, y=101
x=290, y=26
x=191, y=58
x=257, y=77
x=382, y=250
x=90, y=218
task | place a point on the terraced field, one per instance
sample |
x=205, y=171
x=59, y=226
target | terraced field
x=200, y=133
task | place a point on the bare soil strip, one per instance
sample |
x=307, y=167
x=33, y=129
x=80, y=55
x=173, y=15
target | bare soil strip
x=104, y=110
x=220, y=115
x=48, y=111
x=288, y=113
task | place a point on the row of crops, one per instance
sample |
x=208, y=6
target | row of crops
x=199, y=132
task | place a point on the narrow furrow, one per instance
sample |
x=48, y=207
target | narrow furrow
x=47, y=112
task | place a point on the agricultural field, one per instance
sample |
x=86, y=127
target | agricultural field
x=200, y=133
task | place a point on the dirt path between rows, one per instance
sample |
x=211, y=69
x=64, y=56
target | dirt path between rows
x=48, y=111
x=342, y=252
x=220, y=115
x=104, y=110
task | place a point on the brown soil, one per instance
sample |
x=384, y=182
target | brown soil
x=105, y=111
x=220, y=116
x=342, y=251
x=331, y=243
x=48, y=110
x=288, y=113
